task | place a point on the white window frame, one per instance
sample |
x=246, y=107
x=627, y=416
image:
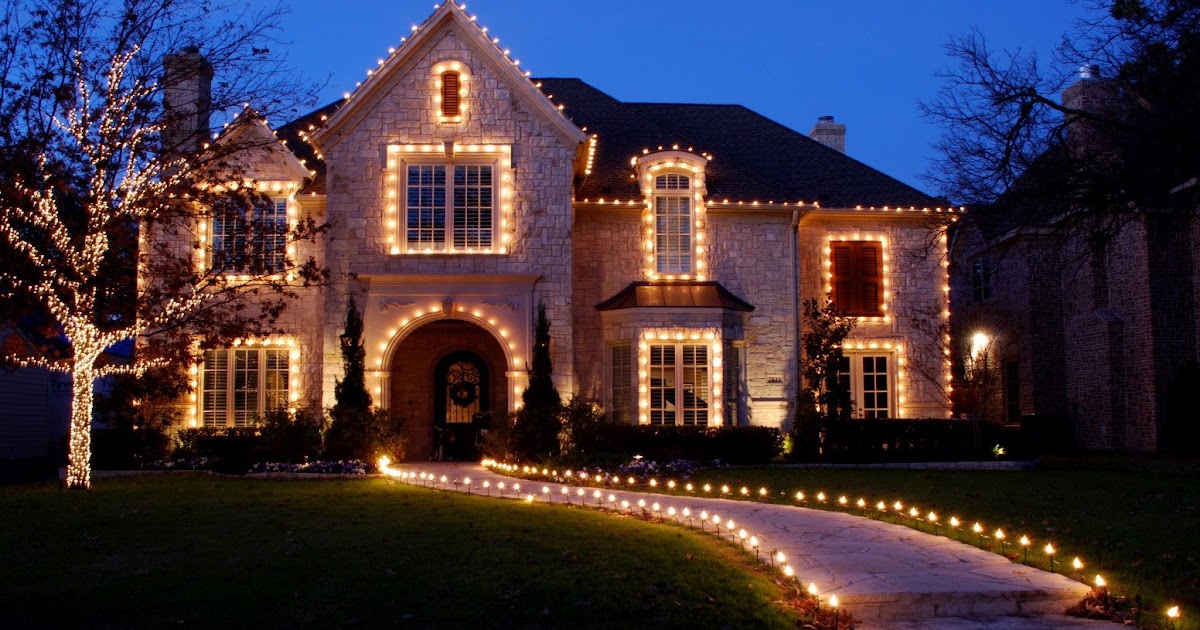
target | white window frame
x=857, y=382
x=674, y=218
x=401, y=157
x=229, y=413
x=678, y=367
x=273, y=243
x=615, y=388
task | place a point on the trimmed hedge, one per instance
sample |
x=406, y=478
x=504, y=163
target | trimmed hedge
x=730, y=445
x=919, y=440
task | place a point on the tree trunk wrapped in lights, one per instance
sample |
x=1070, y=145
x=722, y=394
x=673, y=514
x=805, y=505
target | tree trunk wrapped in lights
x=94, y=172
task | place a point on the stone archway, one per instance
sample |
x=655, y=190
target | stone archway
x=418, y=365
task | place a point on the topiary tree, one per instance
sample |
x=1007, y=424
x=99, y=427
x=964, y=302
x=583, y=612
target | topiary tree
x=350, y=434
x=539, y=421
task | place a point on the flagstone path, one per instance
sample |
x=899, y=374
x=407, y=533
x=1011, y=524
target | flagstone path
x=888, y=576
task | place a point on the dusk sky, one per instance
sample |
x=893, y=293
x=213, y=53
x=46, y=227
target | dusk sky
x=866, y=62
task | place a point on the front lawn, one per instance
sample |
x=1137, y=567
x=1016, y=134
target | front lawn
x=1134, y=520
x=203, y=551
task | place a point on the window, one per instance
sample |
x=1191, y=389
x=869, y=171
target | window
x=241, y=384
x=673, y=223
x=981, y=280
x=732, y=395
x=465, y=192
x=679, y=385
x=857, y=277
x=868, y=378
x=620, y=406
x=250, y=236
x=450, y=95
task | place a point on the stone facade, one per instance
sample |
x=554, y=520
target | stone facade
x=1103, y=336
x=551, y=246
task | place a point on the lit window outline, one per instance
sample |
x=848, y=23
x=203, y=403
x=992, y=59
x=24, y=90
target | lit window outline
x=464, y=79
x=649, y=167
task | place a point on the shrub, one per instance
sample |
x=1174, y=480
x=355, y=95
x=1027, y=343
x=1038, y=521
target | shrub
x=918, y=440
x=355, y=434
x=230, y=450
x=135, y=419
x=730, y=445
x=291, y=437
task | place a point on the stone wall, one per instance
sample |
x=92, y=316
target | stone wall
x=402, y=111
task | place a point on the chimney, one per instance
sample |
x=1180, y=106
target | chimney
x=1098, y=101
x=187, y=100
x=829, y=133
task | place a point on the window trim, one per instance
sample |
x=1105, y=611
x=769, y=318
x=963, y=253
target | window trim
x=884, y=266
x=981, y=280
x=211, y=254
x=400, y=157
x=673, y=206
x=710, y=337
x=263, y=394
x=648, y=168
x=857, y=393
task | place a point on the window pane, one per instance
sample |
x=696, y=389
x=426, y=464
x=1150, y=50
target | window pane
x=875, y=387
x=662, y=385
x=425, y=211
x=245, y=387
x=673, y=234
x=214, y=388
x=695, y=387
x=473, y=206
x=620, y=382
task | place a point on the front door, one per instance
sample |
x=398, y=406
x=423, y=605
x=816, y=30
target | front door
x=460, y=396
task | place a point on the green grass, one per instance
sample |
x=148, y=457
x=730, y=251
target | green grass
x=199, y=551
x=1134, y=521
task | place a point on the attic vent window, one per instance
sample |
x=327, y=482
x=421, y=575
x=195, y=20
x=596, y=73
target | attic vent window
x=450, y=96
x=449, y=83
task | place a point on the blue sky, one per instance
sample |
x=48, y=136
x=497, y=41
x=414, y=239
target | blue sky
x=866, y=62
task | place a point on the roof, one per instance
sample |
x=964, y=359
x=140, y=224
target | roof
x=674, y=295
x=295, y=135
x=754, y=157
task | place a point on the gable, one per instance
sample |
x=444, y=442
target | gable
x=263, y=156
x=407, y=74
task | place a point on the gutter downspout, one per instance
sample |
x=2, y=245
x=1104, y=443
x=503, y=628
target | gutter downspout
x=797, y=327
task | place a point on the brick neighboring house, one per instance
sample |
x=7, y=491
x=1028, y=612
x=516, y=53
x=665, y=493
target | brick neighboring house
x=1105, y=340
x=672, y=245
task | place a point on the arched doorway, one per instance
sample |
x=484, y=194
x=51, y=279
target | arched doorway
x=460, y=398
x=446, y=379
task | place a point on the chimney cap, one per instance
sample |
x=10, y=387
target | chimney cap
x=824, y=119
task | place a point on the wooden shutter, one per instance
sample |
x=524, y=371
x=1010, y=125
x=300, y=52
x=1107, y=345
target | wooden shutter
x=858, y=277
x=450, y=102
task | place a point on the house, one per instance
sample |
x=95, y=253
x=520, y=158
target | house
x=671, y=244
x=1102, y=338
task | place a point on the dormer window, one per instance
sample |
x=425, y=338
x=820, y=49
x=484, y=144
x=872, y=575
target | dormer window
x=673, y=224
x=450, y=96
x=675, y=216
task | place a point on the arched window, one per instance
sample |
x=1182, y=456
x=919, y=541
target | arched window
x=673, y=223
x=450, y=95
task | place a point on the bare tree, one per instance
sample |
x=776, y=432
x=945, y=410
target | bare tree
x=1080, y=165
x=90, y=165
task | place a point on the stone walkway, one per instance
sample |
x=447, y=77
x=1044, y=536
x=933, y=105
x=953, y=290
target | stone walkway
x=888, y=576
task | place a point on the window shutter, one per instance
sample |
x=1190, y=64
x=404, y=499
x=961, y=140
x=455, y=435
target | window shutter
x=857, y=277
x=869, y=257
x=450, y=102
x=842, y=289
